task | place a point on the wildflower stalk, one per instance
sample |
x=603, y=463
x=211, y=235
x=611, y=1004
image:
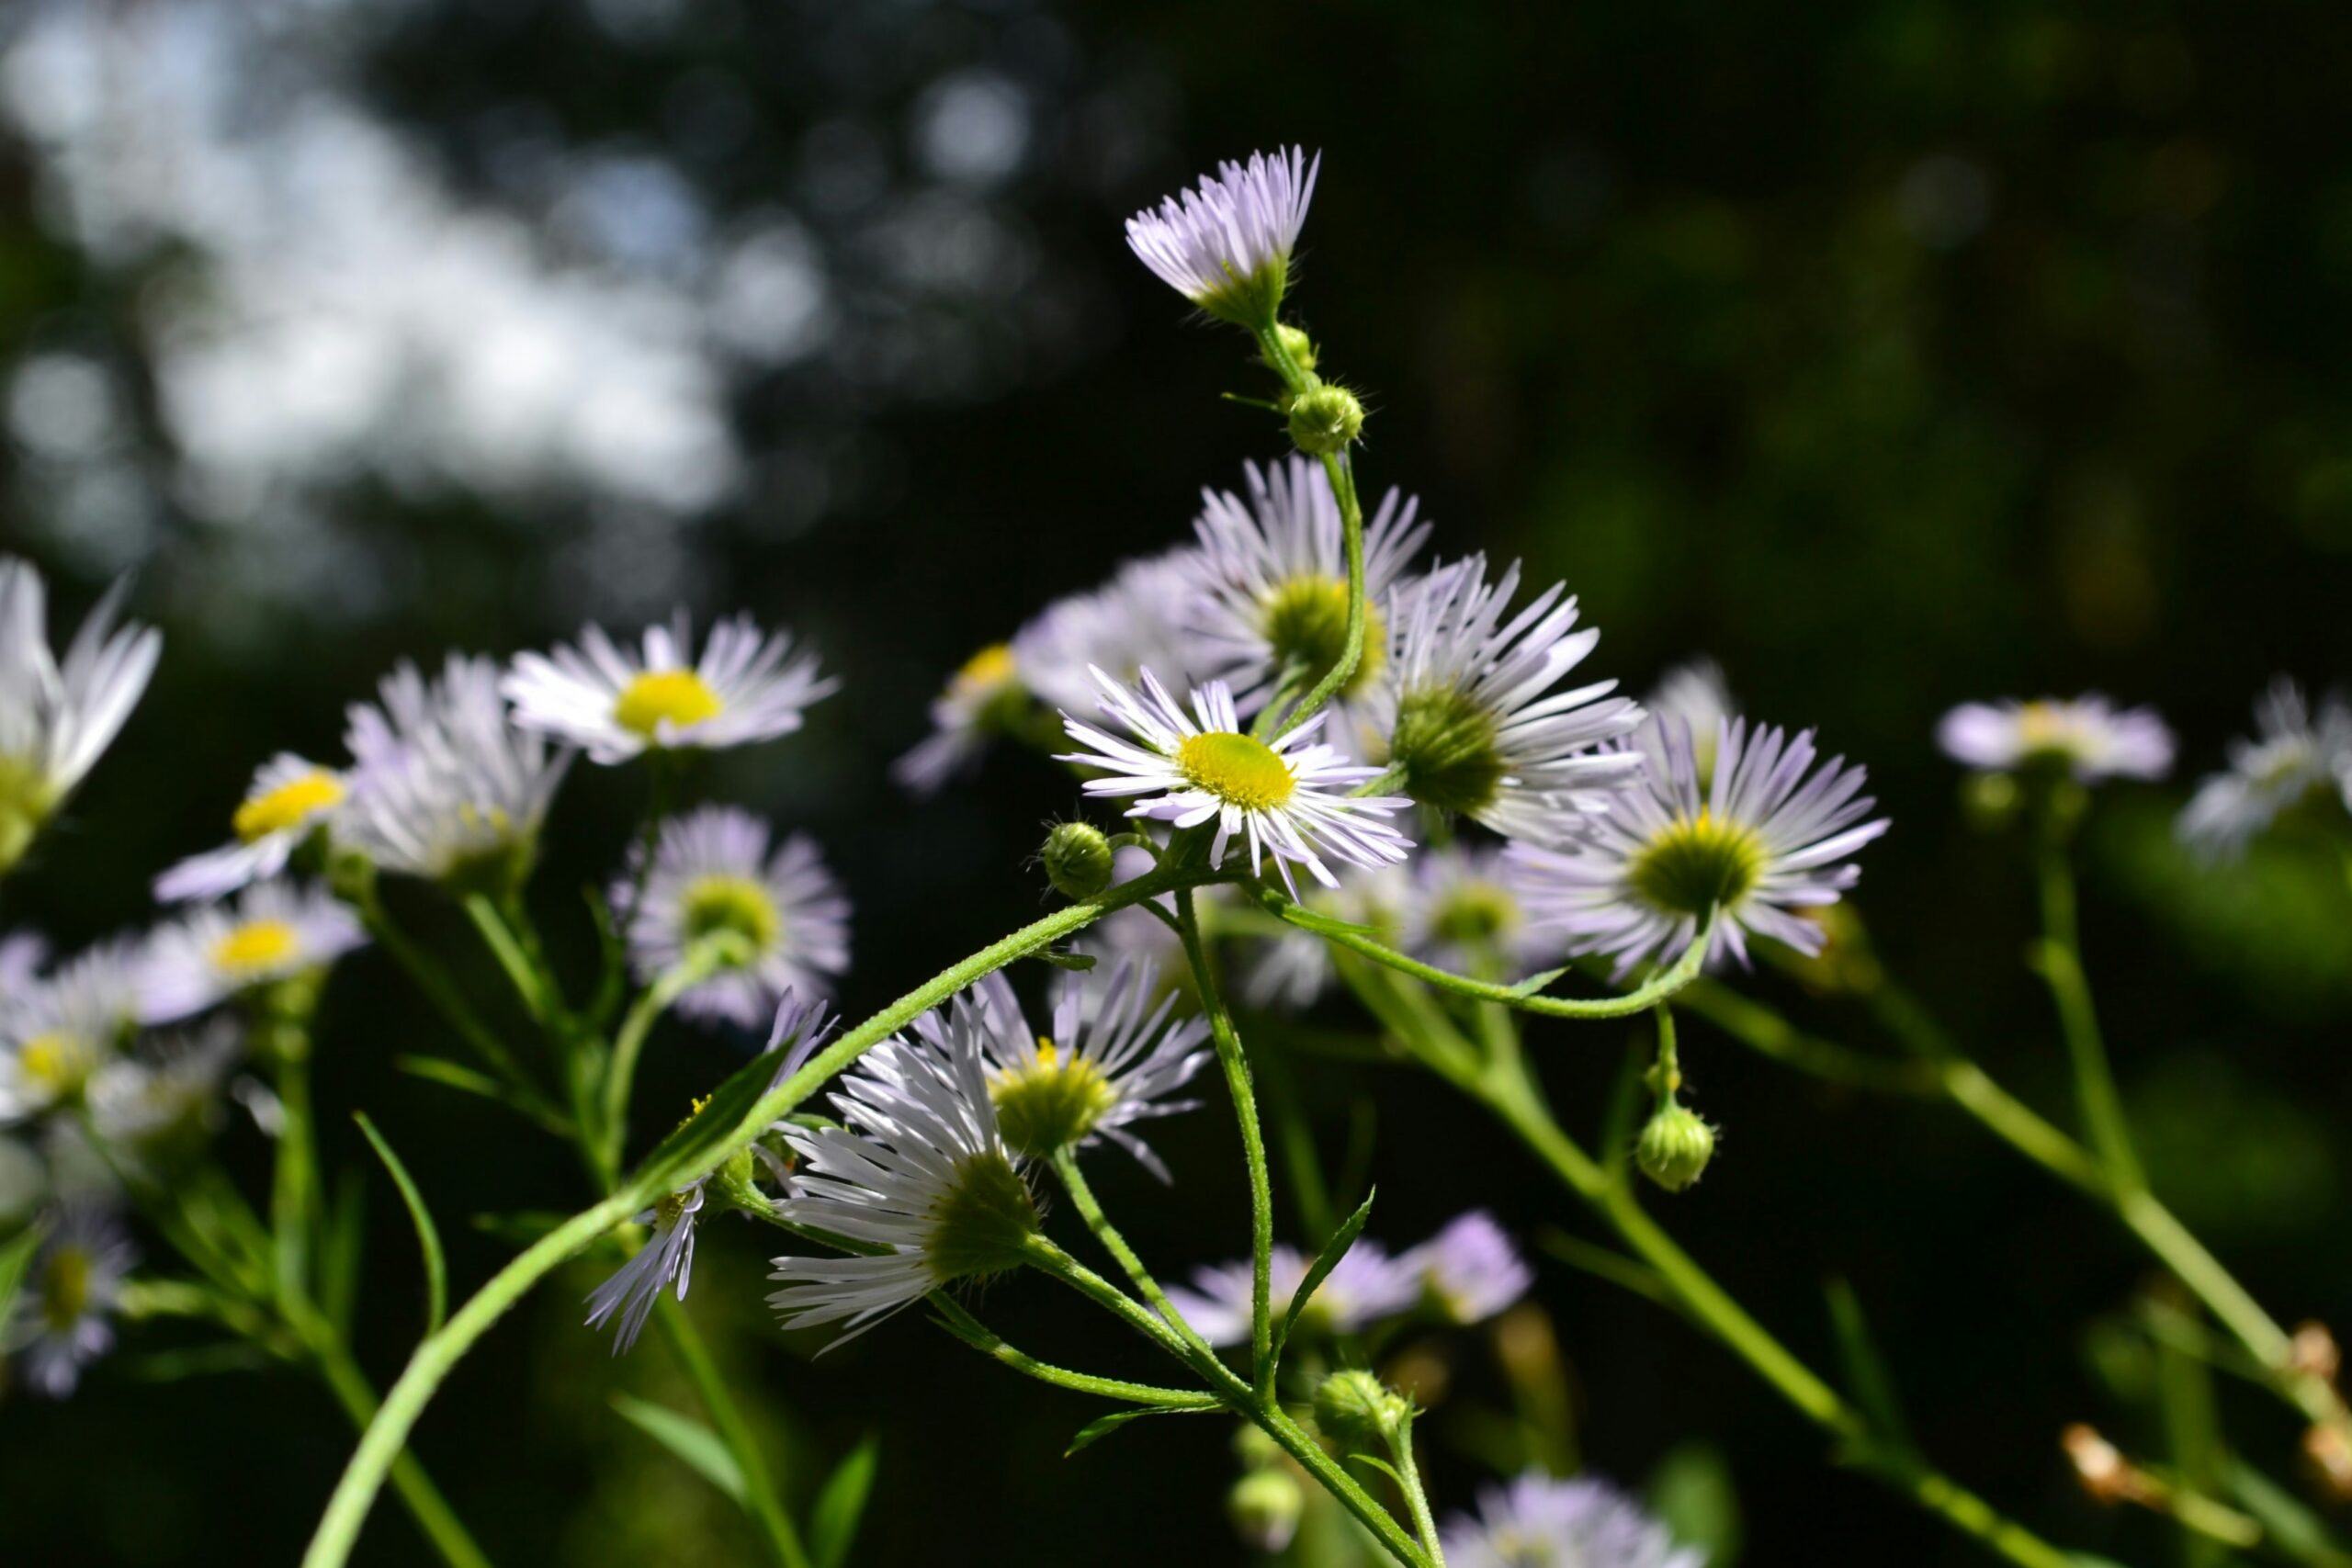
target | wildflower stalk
x=760, y=1498
x=1253, y=1143
x=1089, y=1209
x=439, y=989
x=2059, y=960
x=698, y=965
x=1342, y=473
x=439, y=1353
x=1416, y=1497
x=1496, y=1076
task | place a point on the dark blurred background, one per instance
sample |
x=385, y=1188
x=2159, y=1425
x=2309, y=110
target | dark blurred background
x=1893, y=353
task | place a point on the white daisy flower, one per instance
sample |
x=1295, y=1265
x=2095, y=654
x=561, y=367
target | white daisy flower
x=745, y=688
x=1142, y=619
x=1288, y=798
x=444, y=786
x=167, y=1099
x=1471, y=1269
x=1696, y=693
x=2297, y=756
x=667, y=1259
x=1538, y=1521
x=983, y=699
x=1113, y=1058
x=1763, y=838
x=290, y=799
x=57, y=719
x=276, y=930
x=1290, y=970
x=712, y=875
x=920, y=1170
x=1468, y=709
x=2088, y=737
x=1364, y=1286
x=1272, y=580
x=1226, y=244
x=64, y=1316
x=57, y=1034
x=1463, y=914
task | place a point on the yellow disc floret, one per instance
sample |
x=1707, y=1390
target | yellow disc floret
x=1236, y=769
x=675, y=697
x=57, y=1061
x=1306, y=622
x=65, y=1288
x=290, y=804
x=1696, y=863
x=1051, y=1101
x=985, y=670
x=256, y=946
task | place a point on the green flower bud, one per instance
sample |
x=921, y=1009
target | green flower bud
x=1674, y=1149
x=1325, y=419
x=737, y=1181
x=1297, y=345
x=1077, y=860
x=1264, y=1506
x=1356, y=1411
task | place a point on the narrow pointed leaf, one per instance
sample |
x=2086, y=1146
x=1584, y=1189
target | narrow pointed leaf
x=1382, y=1465
x=1866, y=1375
x=1080, y=962
x=840, y=1505
x=1325, y=1261
x=1094, y=1431
x=693, y=1444
x=428, y=1237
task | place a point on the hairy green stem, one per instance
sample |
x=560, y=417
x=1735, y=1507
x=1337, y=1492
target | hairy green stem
x=1416, y=1497
x=1236, y=1065
x=620, y=1073
x=1089, y=1209
x=439, y=1353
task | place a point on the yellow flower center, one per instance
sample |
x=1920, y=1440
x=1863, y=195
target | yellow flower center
x=1307, y=622
x=715, y=904
x=1474, y=914
x=1236, y=769
x=675, y=697
x=27, y=797
x=290, y=805
x=57, y=1061
x=256, y=946
x=65, y=1288
x=985, y=670
x=1696, y=863
x=1051, y=1102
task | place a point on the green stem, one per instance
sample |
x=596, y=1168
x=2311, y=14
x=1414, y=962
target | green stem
x=759, y=1497
x=1657, y=988
x=417, y=1494
x=1416, y=1497
x=508, y=949
x=1253, y=1145
x=437, y=1354
x=2059, y=959
x=443, y=993
x=1089, y=1209
x=620, y=1074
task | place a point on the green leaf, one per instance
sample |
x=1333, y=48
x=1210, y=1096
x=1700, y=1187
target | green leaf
x=714, y=1125
x=16, y=1261
x=1311, y=920
x=1535, y=984
x=1383, y=1466
x=692, y=1442
x=1080, y=962
x=1325, y=1261
x=194, y=1361
x=1691, y=1493
x=841, y=1504
x=1866, y=1375
x=1094, y=1431
x=428, y=1237
x=341, y=1246
x=2291, y=1525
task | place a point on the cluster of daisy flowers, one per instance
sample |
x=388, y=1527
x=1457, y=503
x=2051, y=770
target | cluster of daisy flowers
x=118, y=1063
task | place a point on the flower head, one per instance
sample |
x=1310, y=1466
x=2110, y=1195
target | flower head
x=667, y=1257
x=165, y=1100
x=785, y=922
x=1365, y=1285
x=1464, y=914
x=64, y=1317
x=445, y=787
x=290, y=799
x=57, y=719
x=1470, y=1271
x=1226, y=244
x=276, y=930
x=2086, y=737
x=1141, y=619
x=1115, y=1057
x=2297, y=755
x=58, y=1032
x=1285, y=798
x=1271, y=579
x=982, y=699
x=1469, y=710
x=1538, y=1521
x=746, y=688
x=1764, y=837
x=919, y=1172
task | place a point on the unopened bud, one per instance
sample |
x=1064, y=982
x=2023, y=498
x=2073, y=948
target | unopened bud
x=1077, y=860
x=2105, y=1473
x=1264, y=1506
x=1356, y=1411
x=2314, y=1351
x=1297, y=345
x=1325, y=419
x=2329, y=1455
x=1675, y=1147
